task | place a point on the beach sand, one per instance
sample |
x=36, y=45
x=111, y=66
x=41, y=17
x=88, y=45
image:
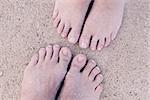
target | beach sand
x=26, y=25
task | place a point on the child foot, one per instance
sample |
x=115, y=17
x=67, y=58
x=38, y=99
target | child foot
x=102, y=24
x=70, y=14
x=43, y=75
x=85, y=85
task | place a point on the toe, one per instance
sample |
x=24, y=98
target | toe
x=60, y=27
x=65, y=56
x=49, y=52
x=93, y=73
x=78, y=62
x=107, y=41
x=90, y=65
x=98, y=80
x=34, y=60
x=101, y=44
x=42, y=53
x=66, y=30
x=74, y=34
x=57, y=21
x=99, y=90
x=85, y=40
x=94, y=43
x=56, y=49
x=113, y=35
x=55, y=14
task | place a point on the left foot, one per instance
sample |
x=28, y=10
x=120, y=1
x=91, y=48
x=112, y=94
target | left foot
x=102, y=24
x=45, y=73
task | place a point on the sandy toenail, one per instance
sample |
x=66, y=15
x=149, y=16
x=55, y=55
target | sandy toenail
x=65, y=52
x=80, y=58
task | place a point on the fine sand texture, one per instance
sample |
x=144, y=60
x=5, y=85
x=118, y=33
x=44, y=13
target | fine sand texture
x=26, y=25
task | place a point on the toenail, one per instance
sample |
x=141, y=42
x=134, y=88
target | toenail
x=42, y=49
x=97, y=68
x=80, y=58
x=63, y=35
x=83, y=45
x=57, y=46
x=65, y=52
x=99, y=49
x=93, y=49
x=72, y=40
x=1, y=73
x=93, y=61
x=49, y=46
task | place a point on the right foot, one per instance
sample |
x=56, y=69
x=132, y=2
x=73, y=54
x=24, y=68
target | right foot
x=45, y=73
x=86, y=85
x=70, y=14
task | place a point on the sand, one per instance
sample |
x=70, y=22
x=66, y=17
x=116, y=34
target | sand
x=26, y=25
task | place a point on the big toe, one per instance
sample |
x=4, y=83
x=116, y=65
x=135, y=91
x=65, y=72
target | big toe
x=78, y=62
x=85, y=39
x=74, y=34
x=65, y=56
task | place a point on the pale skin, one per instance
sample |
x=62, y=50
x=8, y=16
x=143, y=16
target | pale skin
x=44, y=74
x=100, y=28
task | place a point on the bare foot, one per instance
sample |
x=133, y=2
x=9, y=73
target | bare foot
x=70, y=14
x=102, y=24
x=43, y=75
x=84, y=85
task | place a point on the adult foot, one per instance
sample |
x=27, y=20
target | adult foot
x=102, y=24
x=43, y=75
x=82, y=85
x=69, y=16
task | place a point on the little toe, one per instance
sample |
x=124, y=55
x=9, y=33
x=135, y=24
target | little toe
x=74, y=35
x=60, y=27
x=84, y=41
x=42, y=53
x=78, y=62
x=66, y=30
x=65, y=56
x=90, y=65
x=55, y=14
x=93, y=73
x=107, y=41
x=99, y=89
x=57, y=21
x=113, y=35
x=98, y=80
x=56, y=49
x=34, y=60
x=49, y=51
x=101, y=44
